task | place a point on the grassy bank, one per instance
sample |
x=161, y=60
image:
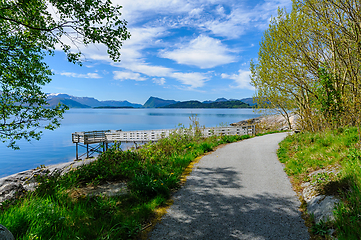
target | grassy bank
x=304, y=153
x=58, y=209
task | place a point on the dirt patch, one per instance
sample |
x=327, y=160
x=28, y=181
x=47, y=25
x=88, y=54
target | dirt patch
x=108, y=189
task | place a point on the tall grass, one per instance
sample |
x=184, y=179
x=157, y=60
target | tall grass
x=306, y=152
x=57, y=210
x=348, y=213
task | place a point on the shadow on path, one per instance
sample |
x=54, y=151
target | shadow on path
x=221, y=203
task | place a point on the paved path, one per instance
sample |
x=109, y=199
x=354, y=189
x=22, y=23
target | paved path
x=239, y=191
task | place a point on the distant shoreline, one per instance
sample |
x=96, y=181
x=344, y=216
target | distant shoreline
x=112, y=107
x=109, y=107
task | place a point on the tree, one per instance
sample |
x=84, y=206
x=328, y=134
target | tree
x=281, y=77
x=31, y=29
x=339, y=74
x=311, y=58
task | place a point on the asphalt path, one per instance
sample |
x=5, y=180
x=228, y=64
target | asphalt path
x=240, y=191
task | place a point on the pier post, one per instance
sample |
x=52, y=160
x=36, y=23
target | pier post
x=87, y=150
x=77, y=152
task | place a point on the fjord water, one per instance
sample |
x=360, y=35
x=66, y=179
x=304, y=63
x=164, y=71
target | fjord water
x=57, y=147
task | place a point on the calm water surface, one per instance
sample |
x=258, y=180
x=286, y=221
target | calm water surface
x=57, y=147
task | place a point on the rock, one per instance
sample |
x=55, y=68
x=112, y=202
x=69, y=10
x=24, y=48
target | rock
x=10, y=191
x=15, y=185
x=329, y=171
x=321, y=207
x=30, y=186
x=270, y=122
x=5, y=234
x=248, y=122
x=309, y=191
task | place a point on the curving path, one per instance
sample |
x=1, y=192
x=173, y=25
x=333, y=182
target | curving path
x=239, y=191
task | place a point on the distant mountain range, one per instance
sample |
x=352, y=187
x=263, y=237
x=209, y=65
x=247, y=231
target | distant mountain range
x=86, y=102
x=152, y=102
x=219, y=104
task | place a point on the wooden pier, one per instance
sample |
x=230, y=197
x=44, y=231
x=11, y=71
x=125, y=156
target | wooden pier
x=103, y=138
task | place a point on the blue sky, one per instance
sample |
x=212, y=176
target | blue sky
x=179, y=49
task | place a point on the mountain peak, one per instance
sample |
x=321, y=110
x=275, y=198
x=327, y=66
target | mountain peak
x=154, y=102
x=62, y=95
x=221, y=100
x=77, y=102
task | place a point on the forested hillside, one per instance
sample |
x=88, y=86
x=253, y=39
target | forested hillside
x=197, y=104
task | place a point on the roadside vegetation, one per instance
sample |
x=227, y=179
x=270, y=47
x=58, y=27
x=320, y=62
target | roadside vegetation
x=339, y=149
x=59, y=210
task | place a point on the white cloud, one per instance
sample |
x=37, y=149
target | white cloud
x=220, y=10
x=242, y=18
x=242, y=79
x=153, y=23
x=79, y=75
x=231, y=28
x=131, y=51
x=118, y=75
x=149, y=70
x=196, y=12
x=159, y=81
x=203, y=52
x=143, y=37
x=164, y=15
x=194, y=80
x=138, y=10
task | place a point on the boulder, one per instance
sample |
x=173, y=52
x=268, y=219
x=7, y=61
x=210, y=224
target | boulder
x=321, y=207
x=10, y=191
x=5, y=234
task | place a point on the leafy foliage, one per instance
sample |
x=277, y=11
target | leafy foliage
x=29, y=31
x=309, y=63
x=329, y=98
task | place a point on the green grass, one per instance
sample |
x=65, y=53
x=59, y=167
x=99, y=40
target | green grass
x=304, y=153
x=152, y=173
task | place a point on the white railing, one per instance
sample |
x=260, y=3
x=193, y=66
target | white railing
x=108, y=136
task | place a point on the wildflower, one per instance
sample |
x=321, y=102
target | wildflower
x=154, y=180
x=171, y=173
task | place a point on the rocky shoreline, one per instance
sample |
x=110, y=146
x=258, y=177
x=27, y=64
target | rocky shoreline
x=271, y=123
x=17, y=184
